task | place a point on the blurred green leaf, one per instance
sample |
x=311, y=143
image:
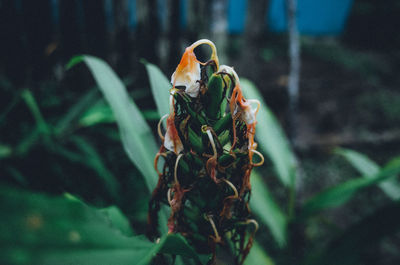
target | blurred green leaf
x=76, y=110
x=118, y=220
x=17, y=176
x=136, y=135
x=348, y=248
x=39, y=229
x=177, y=244
x=5, y=151
x=268, y=212
x=41, y=124
x=271, y=137
x=92, y=159
x=369, y=169
x=102, y=113
x=340, y=194
x=98, y=113
x=160, y=87
x=151, y=115
x=258, y=256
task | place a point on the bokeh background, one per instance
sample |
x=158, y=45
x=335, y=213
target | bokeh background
x=57, y=134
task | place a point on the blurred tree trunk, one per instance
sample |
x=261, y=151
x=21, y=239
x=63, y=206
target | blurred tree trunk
x=121, y=39
x=95, y=27
x=36, y=17
x=253, y=38
x=148, y=30
x=198, y=20
x=174, y=34
x=219, y=28
x=12, y=49
x=71, y=30
x=294, y=75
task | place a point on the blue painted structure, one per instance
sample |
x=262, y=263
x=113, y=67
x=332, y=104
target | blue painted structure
x=236, y=16
x=314, y=17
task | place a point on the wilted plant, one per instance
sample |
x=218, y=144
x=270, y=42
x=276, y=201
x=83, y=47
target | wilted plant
x=208, y=149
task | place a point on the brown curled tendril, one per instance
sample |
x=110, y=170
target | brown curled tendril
x=260, y=155
x=249, y=244
x=159, y=127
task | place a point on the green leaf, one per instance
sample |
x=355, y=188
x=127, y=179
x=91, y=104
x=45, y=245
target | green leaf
x=76, y=110
x=348, y=247
x=98, y=113
x=258, y=256
x=271, y=137
x=369, y=168
x=42, y=127
x=92, y=159
x=136, y=135
x=268, y=212
x=177, y=244
x=40, y=229
x=160, y=87
x=340, y=194
x=118, y=220
x=5, y=151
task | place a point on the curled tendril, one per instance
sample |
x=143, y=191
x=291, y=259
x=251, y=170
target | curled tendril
x=159, y=127
x=261, y=157
x=212, y=161
x=214, y=55
x=176, y=168
x=169, y=197
x=217, y=237
x=232, y=186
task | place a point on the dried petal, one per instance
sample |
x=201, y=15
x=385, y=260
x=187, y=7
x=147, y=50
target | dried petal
x=172, y=141
x=187, y=73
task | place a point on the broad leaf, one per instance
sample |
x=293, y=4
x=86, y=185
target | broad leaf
x=100, y=112
x=160, y=87
x=369, y=168
x=135, y=133
x=258, y=256
x=340, y=194
x=92, y=159
x=177, y=244
x=118, y=220
x=271, y=137
x=39, y=229
x=268, y=212
x=76, y=110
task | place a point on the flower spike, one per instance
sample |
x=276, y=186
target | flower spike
x=208, y=149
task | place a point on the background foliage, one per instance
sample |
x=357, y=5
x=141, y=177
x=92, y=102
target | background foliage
x=70, y=193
